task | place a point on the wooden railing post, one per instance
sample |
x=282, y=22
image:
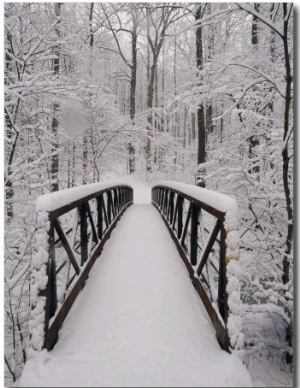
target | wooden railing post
x=222, y=295
x=171, y=207
x=120, y=202
x=83, y=232
x=52, y=293
x=166, y=201
x=194, y=234
x=179, y=217
x=162, y=195
x=109, y=206
x=115, y=203
x=100, y=216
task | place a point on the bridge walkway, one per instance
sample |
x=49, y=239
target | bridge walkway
x=138, y=321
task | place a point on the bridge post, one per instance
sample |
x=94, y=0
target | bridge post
x=109, y=205
x=100, y=216
x=166, y=202
x=115, y=203
x=222, y=295
x=83, y=232
x=179, y=217
x=194, y=234
x=171, y=207
x=52, y=294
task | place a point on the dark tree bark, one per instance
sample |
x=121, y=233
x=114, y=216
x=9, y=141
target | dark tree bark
x=255, y=26
x=133, y=72
x=285, y=154
x=133, y=68
x=55, y=122
x=85, y=135
x=155, y=41
x=210, y=48
x=9, y=192
x=285, y=173
x=254, y=139
x=201, y=155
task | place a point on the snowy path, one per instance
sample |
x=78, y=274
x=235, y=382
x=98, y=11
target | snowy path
x=138, y=321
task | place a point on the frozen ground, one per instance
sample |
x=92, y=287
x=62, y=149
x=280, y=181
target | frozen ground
x=138, y=321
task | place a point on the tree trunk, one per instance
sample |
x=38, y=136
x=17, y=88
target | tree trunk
x=131, y=149
x=150, y=98
x=55, y=122
x=155, y=41
x=210, y=47
x=285, y=172
x=9, y=191
x=201, y=158
x=85, y=135
x=254, y=35
x=254, y=139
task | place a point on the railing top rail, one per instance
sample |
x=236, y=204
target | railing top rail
x=63, y=201
x=214, y=202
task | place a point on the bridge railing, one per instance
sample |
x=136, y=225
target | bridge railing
x=72, y=227
x=203, y=225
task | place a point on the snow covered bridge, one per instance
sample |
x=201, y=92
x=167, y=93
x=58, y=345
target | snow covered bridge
x=139, y=320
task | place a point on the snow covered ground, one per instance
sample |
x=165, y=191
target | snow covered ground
x=138, y=321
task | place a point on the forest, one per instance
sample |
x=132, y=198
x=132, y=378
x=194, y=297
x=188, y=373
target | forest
x=200, y=93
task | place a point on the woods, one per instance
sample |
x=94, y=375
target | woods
x=198, y=93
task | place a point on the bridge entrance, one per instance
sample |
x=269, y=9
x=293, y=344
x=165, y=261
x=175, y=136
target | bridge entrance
x=139, y=321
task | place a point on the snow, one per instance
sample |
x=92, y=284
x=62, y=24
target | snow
x=138, y=321
x=53, y=201
x=219, y=201
x=39, y=280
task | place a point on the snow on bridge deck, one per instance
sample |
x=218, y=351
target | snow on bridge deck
x=138, y=322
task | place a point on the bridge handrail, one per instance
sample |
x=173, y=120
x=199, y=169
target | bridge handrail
x=169, y=198
x=62, y=201
x=109, y=201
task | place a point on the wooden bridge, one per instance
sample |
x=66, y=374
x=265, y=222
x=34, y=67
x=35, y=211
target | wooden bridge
x=74, y=224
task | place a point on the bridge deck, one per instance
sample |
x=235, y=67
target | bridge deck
x=138, y=321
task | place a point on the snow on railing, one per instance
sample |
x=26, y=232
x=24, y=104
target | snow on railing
x=203, y=224
x=72, y=227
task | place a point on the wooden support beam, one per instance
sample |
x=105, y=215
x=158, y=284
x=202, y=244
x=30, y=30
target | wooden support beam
x=66, y=245
x=205, y=252
x=94, y=238
x=187, y=220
